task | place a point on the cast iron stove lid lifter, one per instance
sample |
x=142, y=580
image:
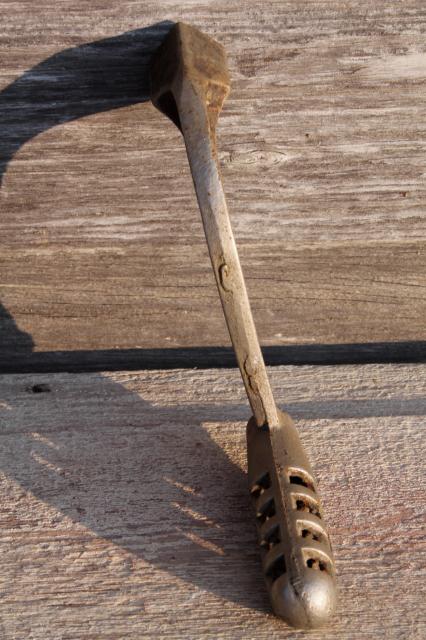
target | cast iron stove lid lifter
x=190, y=82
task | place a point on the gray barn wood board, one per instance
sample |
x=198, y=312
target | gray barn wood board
x=125, y=510
x=322, y=149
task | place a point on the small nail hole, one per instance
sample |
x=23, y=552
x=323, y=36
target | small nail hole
x=40, y=388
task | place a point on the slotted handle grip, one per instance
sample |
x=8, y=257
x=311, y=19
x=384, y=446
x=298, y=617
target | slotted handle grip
x=297, y=558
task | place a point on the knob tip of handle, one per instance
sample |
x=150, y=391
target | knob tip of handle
x=308, y=604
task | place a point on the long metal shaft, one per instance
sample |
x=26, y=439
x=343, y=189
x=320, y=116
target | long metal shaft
x=201, y=150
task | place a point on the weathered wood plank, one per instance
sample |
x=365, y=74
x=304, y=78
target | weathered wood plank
x=322, y=146
x=124, y=507
x=166, y=296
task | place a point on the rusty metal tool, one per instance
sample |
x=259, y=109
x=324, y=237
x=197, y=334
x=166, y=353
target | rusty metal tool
x=189, y=83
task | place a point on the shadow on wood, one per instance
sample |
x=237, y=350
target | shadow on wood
x=149, y=479
x=134, y=484
x=77, y=82
x=147, y=476
x=13, y=341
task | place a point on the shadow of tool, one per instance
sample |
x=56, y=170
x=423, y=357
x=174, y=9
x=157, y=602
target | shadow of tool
x=146, y=476
x=77, y=82
x=149, y=479
x=13, y=341
x=152, y=476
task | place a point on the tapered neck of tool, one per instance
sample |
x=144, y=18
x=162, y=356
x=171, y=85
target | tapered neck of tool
x=197, y=125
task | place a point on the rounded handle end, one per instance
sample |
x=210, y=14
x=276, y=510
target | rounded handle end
x=307, y=604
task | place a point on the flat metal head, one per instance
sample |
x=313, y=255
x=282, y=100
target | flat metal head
x=187, y=55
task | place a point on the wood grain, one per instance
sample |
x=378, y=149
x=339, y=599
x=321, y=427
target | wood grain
x=124, y=507
x=322, y=148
